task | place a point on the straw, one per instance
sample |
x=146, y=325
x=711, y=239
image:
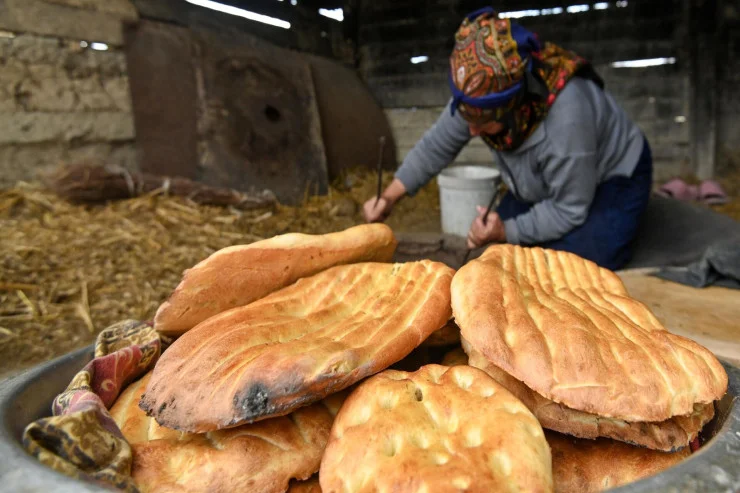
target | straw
x=83, y=268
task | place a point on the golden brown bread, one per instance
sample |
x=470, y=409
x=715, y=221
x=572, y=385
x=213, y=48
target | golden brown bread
x=261, y=457
x=309, y=486
x=439, y=429
x=446, y=336
x=568, y=330
x=237, y=275
x=669, y=435
x=298, y=345
x=590, y=466
x=456, y=357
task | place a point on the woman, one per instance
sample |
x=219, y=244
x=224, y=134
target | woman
x=578, y=170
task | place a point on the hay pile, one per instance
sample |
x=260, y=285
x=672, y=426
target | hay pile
x=68, y=271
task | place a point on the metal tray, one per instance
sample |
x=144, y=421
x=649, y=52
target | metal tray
x=27, y=397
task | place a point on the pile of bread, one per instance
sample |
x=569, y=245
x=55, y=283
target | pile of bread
x=279, y=377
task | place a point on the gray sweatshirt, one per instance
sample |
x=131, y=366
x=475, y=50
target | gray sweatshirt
x=585, y=139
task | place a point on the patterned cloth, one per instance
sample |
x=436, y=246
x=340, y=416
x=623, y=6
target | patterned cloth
x=488, y=59
x=81, y=439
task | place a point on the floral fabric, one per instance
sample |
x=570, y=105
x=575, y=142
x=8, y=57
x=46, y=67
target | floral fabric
x=81, y=439
x=486, y=59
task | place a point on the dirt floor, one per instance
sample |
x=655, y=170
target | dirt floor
x=68, y=271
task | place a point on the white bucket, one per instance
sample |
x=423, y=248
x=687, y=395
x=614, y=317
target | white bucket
x=461, y=189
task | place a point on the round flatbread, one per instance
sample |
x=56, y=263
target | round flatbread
x=238, y=275
x=309, y=486
x=259, y=458
x=590, y=466
x=456, y=357
x=439, y=429
x=567, y=329
x=298, y=345
x=446, y=336
x=669, y=435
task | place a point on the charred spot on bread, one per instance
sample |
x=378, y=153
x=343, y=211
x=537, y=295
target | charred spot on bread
x=255, y=401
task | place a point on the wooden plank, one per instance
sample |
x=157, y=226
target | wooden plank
x=708, y=316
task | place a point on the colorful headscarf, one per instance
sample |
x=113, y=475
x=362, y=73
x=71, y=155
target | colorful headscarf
x=499, y=72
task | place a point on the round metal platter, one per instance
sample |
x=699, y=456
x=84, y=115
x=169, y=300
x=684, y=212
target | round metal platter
x=27, y=397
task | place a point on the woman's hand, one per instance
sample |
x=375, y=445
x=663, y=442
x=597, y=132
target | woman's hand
x=491, y=232
x=376, y=210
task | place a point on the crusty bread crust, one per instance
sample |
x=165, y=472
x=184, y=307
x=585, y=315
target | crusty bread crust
x=446, y=336
x=669, y=435
x=238, y=275
x=298, y=345
x=568, y=329
x=309, y=486
x=258, y=458
x=439, y=429
x=590, y=466
x=456, y=357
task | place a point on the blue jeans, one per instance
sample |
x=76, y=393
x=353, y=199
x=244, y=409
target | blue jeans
x=615, y=213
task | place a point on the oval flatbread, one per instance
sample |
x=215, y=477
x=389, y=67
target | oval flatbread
x=590, y=466
x=668, y=435
x=567, y=329
x=238, y=275
x=298, y=345
x=259, y=458
x=439, y=429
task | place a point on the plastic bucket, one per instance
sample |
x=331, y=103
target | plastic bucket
x=461, y=189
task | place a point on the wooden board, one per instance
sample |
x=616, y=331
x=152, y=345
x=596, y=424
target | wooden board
x=709, y=316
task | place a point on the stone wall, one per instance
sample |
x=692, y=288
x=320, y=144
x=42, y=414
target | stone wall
x=60, y=103
x=60, y=100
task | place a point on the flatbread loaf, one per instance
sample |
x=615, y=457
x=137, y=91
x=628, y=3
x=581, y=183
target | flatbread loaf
x=456, y=357
x=309, y=486
x=238, y=275
x=298, y=345
x=439, y=429
x=261, y=457
x=590, y=466
x=568, y=329
x=446, y=336
x=669, y=435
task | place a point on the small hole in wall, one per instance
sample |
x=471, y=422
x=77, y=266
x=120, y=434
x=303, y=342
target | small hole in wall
x=272, y=113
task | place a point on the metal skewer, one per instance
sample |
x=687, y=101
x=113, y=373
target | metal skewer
x=494, y=202
x=380, y=169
